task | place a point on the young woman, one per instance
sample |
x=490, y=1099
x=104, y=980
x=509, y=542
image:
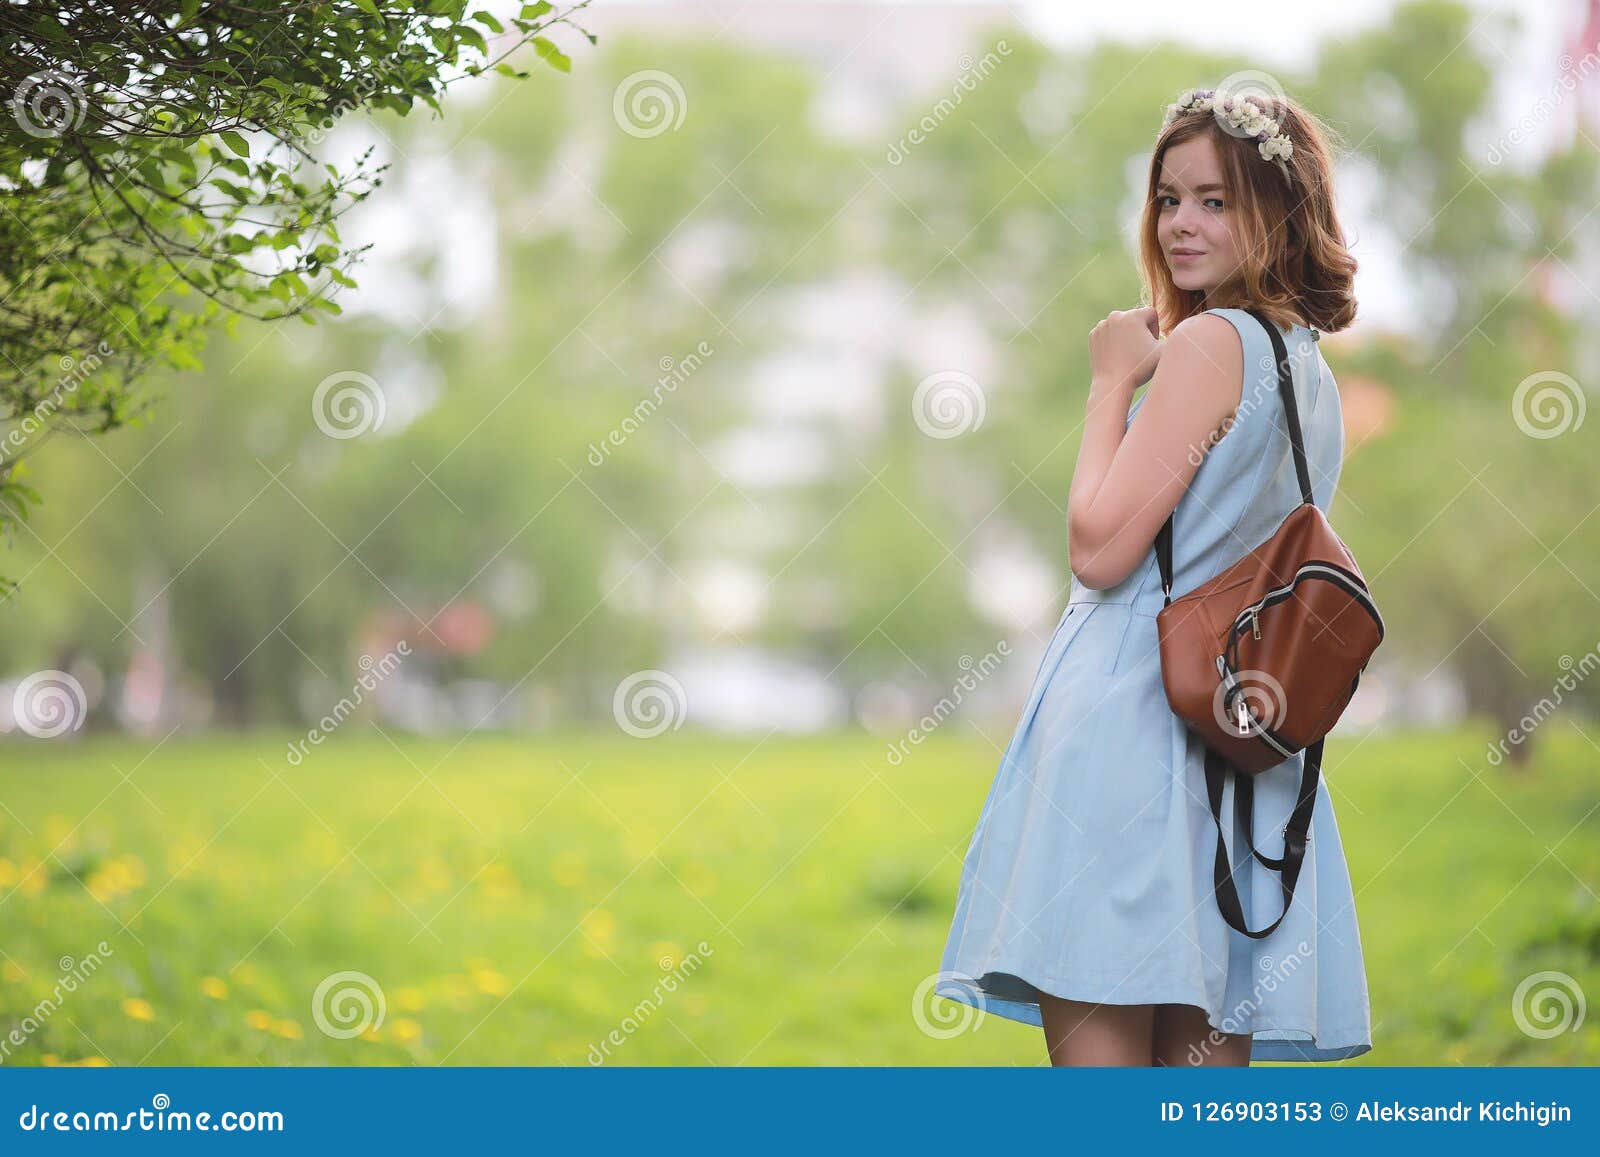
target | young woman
x=1086, y=902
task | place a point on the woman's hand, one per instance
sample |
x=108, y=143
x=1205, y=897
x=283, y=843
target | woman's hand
x=1124, y=350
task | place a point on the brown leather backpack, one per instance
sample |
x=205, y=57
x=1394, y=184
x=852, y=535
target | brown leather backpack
x=1261, y=660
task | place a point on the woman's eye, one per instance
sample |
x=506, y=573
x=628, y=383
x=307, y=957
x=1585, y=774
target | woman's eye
x=1217, y=201
x=1163, y=198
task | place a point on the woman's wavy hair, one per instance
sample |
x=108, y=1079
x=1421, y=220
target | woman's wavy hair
x=1294, y=263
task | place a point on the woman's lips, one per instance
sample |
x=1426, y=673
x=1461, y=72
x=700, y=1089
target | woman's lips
x=1185, y=257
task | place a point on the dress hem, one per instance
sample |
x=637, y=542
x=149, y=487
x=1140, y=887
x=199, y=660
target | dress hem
x=965, y=990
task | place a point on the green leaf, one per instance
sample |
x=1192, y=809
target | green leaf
x=235, y=141
x=554, y=56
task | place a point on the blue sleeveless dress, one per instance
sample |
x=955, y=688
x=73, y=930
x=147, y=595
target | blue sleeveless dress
x=1089, y=875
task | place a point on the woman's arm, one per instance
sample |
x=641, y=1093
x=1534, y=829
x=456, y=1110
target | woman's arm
x=1129, y=478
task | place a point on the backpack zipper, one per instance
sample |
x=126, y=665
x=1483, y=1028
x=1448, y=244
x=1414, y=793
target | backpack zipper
x=1340, y=577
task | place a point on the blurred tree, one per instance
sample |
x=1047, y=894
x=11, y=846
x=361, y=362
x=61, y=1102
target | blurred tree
x=159, y=167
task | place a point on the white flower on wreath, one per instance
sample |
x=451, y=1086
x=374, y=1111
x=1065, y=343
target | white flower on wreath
x=1245, y=116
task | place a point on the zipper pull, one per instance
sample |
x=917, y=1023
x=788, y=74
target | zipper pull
x=1243, y=713
x=1255, y=624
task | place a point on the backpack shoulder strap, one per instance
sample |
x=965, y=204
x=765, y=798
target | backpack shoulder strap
x=1302, y=469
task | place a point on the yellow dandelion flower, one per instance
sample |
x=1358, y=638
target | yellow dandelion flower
x=50, y=1060
x=8, y=873
x=567, y=869
x=410, y=999
x=259, y=1018
x=133, y=870
x=12, y=971
x=490, y=982
x=214, y=987
x=435, y=874
x=138, y=1009
x=95, y=1062
x=699, y=879
x=405, y=1029
x=498, y=881
x=34, y=879
x=600, y=925
x=287, y=1029
x=666, y=954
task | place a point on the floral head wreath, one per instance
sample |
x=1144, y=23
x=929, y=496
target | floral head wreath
x=1240, y=117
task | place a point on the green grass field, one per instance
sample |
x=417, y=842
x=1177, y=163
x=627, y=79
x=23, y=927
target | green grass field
x=516, y=900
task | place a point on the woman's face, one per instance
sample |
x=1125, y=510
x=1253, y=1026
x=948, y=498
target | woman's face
x=1195, y=220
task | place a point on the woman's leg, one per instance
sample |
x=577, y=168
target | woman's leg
x=1079, y=1033
x=1183, y=1037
